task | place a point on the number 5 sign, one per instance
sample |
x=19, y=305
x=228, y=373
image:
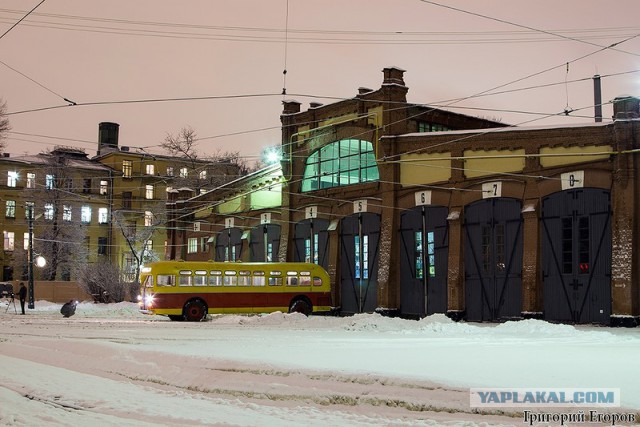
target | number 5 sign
x=359, y=206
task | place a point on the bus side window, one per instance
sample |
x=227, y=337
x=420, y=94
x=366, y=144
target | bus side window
x=200, y=278
x=229, y=278
x=305, y=278
x=292, y=278
x=165, y=280
x=215, y=278
x=185, y=278
x=258, y=278
x=245, y=278
x=275, y=279
x=317, y=281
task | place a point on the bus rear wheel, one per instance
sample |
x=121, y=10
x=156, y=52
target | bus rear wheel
x=300, y=306
x=195, y=311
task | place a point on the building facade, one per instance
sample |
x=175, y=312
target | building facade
x=114, y=203
x=414, y=210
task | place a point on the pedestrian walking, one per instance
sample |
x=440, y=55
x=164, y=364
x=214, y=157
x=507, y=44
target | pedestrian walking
x=22, y=293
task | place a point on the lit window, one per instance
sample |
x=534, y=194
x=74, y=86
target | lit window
x=9, y=240
x=85, y=214
x=25, y=241
x=192, y=245
x=169, y=171
x=49, y=211
x=103, y=215
x=184, y=173
x=10, y=211
x=203, y=175
x=66, y=213
x=50, y=182
x=148, y=192
x=126, y=168
x=151, y=169
x=31, y=180
x=104, y=187
x=12, y=178
x=148, y=218
x=346, y=162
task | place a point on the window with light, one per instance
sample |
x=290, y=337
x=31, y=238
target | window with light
x=31, y=180
x=127, y=167
x=9, y=240
x=184, y=173
x=148, y=218
x=345, y=162
x=10, y=211
x=104, y=187
x=12, y=178
x=151, y=169
x=49, y=211
x=103, y=215
x=49, y=182
x=66, y=213
x=192, y=245
x=85, y=214
x=148, y=194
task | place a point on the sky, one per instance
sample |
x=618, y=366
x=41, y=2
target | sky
x=224, y=61
x=110, y=365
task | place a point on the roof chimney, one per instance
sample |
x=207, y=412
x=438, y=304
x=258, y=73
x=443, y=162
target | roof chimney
x=290, y=107
x=393, y=75
x=626, y=107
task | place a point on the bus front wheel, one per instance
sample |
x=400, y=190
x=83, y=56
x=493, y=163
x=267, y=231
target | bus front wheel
x=195, y=311
x=300, y=306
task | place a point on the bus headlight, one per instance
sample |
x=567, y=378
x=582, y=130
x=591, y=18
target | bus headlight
x=148, y=300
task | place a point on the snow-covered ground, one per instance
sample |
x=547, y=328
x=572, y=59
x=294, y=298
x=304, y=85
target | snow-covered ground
x=109, y=365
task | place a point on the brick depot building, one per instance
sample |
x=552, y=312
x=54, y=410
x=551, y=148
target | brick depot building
x=414, y=210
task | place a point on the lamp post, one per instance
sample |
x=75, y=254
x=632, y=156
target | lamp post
x=31, y=304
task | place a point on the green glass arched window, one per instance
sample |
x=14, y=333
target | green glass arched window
x=345, y=162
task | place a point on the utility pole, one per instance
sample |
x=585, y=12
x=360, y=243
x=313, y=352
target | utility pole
x=31, y=304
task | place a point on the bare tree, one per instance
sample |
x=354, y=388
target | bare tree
x=138, y=238
x=198, y=172
x=60, y=240
x=5, y=127
x=103, y=280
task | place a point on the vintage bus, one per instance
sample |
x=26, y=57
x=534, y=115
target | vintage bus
x=189, y=290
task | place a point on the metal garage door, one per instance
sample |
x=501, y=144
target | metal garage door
x=265, y=243
x=493, y=259
x=359, y=237
x=311, y=241
x=576, y=256
x=424, y=251
x=229, y=244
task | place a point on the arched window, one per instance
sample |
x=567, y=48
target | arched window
x=345, y=162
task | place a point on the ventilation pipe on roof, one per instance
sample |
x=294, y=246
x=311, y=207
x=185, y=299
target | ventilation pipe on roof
x=597, y=98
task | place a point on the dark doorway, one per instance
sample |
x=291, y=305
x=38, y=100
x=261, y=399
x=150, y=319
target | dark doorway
x=493, y=259
x=424, y=251
x=576, y=256
x=359, y=238
x=311, y=242
x=229, y=245
x=265, y=243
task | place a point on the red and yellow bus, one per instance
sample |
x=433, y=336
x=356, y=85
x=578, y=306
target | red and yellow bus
x=189, y=290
